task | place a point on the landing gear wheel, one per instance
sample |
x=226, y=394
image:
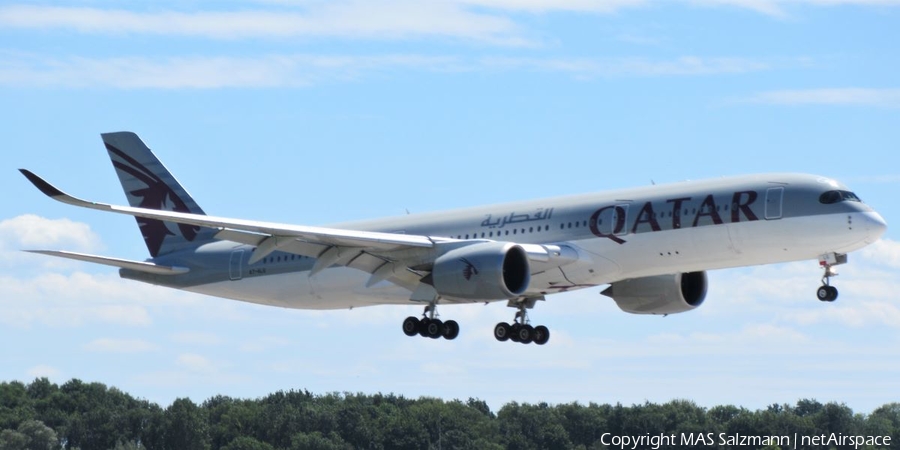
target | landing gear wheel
x=525, y=334
x=827, y=293
x=502, y=331
x=411, y=326
x=520, y=330
x=822, y=293
x=423, y=326
x=430, y=326
x=514, y=332
x=434, y=329
x=451, y=330
x=541, y=335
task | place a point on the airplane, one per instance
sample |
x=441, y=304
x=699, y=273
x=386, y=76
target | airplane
x=651, y=245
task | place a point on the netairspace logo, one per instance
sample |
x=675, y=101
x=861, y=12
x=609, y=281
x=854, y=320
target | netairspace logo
x=796, y=441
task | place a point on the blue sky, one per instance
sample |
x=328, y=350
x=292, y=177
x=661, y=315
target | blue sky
x=315, y=112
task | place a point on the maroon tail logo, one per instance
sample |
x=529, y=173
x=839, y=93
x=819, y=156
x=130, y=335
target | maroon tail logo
x=156, y=195
x=469, y=270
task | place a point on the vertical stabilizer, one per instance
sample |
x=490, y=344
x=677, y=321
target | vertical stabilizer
x=148, y=184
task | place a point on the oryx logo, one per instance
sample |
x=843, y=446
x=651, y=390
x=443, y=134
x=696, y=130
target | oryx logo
x=469, y=270
x=154, y=194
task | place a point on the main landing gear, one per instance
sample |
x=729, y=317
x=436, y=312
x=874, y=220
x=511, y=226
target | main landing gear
x=826, y=292
x=521, y=330
x=430, y=326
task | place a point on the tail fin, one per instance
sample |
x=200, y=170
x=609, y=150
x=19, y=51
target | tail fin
x=148, y=184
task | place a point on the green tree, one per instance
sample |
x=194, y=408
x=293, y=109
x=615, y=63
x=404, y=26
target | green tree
x=30, y=435
x=247, y=443
x=185, y=426
x=15, y=406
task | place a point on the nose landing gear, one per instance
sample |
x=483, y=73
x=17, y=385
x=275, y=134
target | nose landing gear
x=826, y=292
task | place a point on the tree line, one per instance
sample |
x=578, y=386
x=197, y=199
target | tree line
x=92, y=416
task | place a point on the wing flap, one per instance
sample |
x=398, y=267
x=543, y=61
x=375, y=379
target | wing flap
x=140, y=266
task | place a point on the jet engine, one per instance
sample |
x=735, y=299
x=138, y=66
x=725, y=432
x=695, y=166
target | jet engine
x=484, y=271
x=663, y=294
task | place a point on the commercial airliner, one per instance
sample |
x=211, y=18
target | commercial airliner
x=651, y=245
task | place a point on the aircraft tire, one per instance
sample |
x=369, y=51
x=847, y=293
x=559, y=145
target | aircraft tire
x=525, y=334
x=451, y=330
x=434, y=329
x=541, y=335
x=514, y=332
x=502, y=331
x=827, y=293
x=423, y=326
x=411, y=326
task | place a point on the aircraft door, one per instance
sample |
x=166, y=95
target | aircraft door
x=235, y=265
x=774, y=197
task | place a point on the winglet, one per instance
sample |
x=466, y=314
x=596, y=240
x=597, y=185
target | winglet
x=53, y=192
x=48, y=189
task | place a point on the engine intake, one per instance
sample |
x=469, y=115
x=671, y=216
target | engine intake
x=663, y=294
x=483, y=271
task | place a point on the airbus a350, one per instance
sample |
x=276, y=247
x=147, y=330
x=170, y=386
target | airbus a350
x=651, y=246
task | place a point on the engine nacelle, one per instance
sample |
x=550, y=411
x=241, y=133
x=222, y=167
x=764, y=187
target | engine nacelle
x=664, y=294
x=484, y=271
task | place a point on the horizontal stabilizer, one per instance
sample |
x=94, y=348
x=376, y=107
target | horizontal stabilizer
x=139, y=266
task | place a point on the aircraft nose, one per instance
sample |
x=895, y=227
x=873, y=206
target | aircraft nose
x=875, y=225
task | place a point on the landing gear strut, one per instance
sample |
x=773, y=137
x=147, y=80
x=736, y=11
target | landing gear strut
x=430, y=326
x=521, y=330
x=826, y=292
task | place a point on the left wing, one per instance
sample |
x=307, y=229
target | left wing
x=400, y=258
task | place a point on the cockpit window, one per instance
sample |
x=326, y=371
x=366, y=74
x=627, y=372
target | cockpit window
x=838, y=196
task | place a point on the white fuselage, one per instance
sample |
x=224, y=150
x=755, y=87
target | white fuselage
x=656, y=230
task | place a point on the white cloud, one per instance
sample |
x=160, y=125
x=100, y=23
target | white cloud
x=544, y=6
x=29, y=231
x=43, y=370
x=587, y=68
x=196, y=363
x=298, y=70
x=109, y=345
x=346, y=19
x=883, y=252
x=856, y=314
x=206, y=72
x=767, y=7
x=475, y=20
x=74, y=300
x=852, y=96
x=263, y=343
x=196, y=338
